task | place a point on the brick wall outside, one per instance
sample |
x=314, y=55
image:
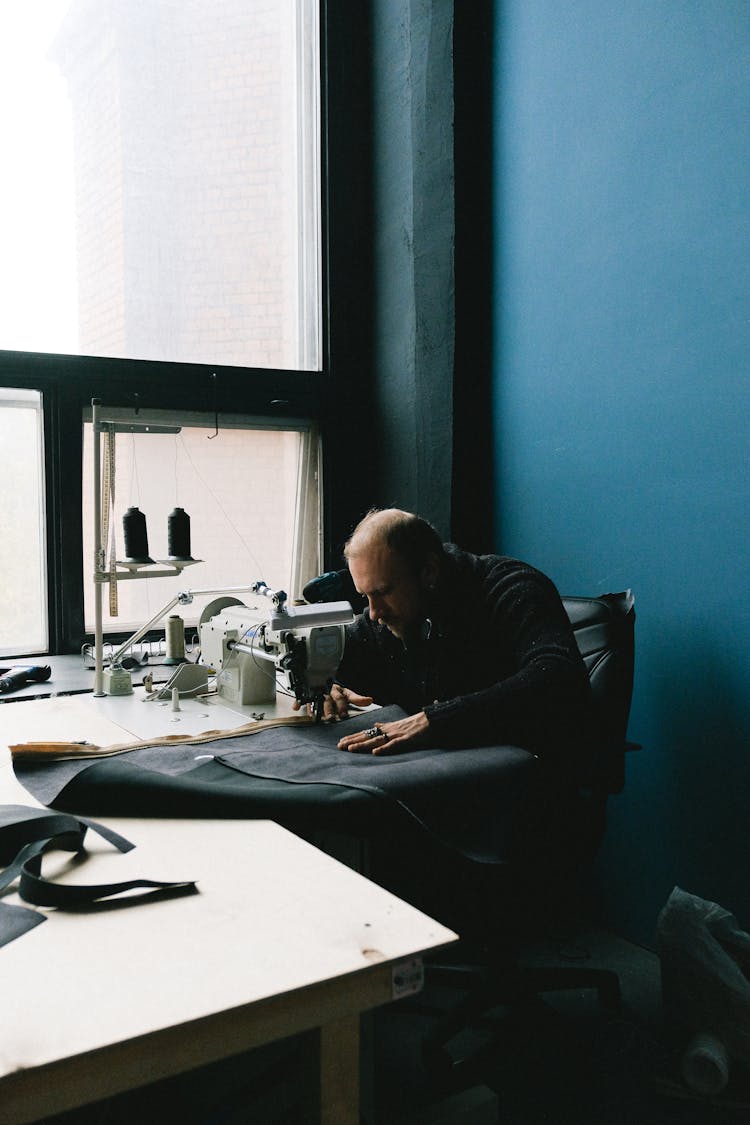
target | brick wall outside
x=186, y=182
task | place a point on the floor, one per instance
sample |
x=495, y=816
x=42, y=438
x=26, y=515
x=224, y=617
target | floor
x=564, y=1063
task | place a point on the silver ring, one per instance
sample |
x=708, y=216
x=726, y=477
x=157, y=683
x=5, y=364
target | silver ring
x=373, y=732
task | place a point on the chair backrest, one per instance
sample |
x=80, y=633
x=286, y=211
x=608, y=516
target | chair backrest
x=604, y=629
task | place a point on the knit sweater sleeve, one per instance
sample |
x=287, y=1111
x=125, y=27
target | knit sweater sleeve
x=542, y=704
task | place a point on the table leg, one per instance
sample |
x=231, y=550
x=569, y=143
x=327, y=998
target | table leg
x=339, y=1072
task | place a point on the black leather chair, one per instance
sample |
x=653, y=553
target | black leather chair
x=534, y=889
x=604, y=630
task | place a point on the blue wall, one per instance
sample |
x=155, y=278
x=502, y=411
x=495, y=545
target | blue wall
x=622, y=392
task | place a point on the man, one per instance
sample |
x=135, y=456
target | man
x=476, y=649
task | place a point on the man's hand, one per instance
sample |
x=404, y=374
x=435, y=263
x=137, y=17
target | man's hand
x=336, y=705
x=411, y=733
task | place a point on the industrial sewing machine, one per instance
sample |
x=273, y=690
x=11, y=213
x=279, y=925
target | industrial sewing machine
x=251, y=646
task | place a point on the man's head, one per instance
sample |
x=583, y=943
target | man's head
x=395, y=559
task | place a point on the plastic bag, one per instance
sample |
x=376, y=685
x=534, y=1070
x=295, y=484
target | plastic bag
x=705, y=956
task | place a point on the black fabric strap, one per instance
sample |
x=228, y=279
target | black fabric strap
x=20, y=824
x=25, y=835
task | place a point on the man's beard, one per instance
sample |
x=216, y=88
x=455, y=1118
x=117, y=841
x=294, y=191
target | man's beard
x=392, y=627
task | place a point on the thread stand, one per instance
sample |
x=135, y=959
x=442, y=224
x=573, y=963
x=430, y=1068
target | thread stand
x=176, y=566
x=114, y=422
x=111, y=423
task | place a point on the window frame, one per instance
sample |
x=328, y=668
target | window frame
x=332, y=397
x=67, y=385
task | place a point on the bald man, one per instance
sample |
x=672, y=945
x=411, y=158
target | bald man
x=477, y=649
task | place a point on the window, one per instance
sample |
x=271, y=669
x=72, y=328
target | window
x=166, y=200
x=161, y=224
x=250, y=489
x=23, y=607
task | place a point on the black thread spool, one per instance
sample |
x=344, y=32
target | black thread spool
x=178, y=536
x=136, y=537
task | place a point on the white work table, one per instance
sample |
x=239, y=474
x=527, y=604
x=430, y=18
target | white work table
x=103, y=720
x=280, y=938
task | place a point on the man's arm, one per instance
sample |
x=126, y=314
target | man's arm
x=540, y=702
x=543, y=703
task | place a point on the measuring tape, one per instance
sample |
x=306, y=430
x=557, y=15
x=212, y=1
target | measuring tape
x=108, y=504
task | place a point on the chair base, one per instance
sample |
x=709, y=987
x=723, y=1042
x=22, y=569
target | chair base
x=510, y=986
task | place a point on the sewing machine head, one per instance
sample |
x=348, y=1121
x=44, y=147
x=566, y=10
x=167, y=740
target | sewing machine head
x=253, y=647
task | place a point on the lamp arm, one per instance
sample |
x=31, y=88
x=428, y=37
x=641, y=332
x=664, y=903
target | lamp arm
x=184, y=598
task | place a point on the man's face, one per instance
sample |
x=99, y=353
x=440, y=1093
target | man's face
x=396, y=597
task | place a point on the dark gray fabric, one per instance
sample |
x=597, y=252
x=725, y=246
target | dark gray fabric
x=46, y=780
x=16, y=921
x=466, y=798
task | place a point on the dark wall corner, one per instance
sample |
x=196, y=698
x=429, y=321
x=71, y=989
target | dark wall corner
x=472, y=503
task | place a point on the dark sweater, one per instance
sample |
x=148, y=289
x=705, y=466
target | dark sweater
x=496, y=664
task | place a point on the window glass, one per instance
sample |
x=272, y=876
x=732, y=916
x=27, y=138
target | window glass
x=251, y=491
x=161, y=194
x=23, y=606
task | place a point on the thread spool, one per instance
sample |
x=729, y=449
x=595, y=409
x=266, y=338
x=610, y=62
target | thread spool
x=136, y=537
x=178, y=535
x=705, y=1064
x=175, y=633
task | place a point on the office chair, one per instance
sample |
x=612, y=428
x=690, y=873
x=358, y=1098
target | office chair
x=604, y=630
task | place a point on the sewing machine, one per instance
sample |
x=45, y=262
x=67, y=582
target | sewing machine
x=250, y=646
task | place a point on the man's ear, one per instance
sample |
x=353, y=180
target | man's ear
x=430, y=571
